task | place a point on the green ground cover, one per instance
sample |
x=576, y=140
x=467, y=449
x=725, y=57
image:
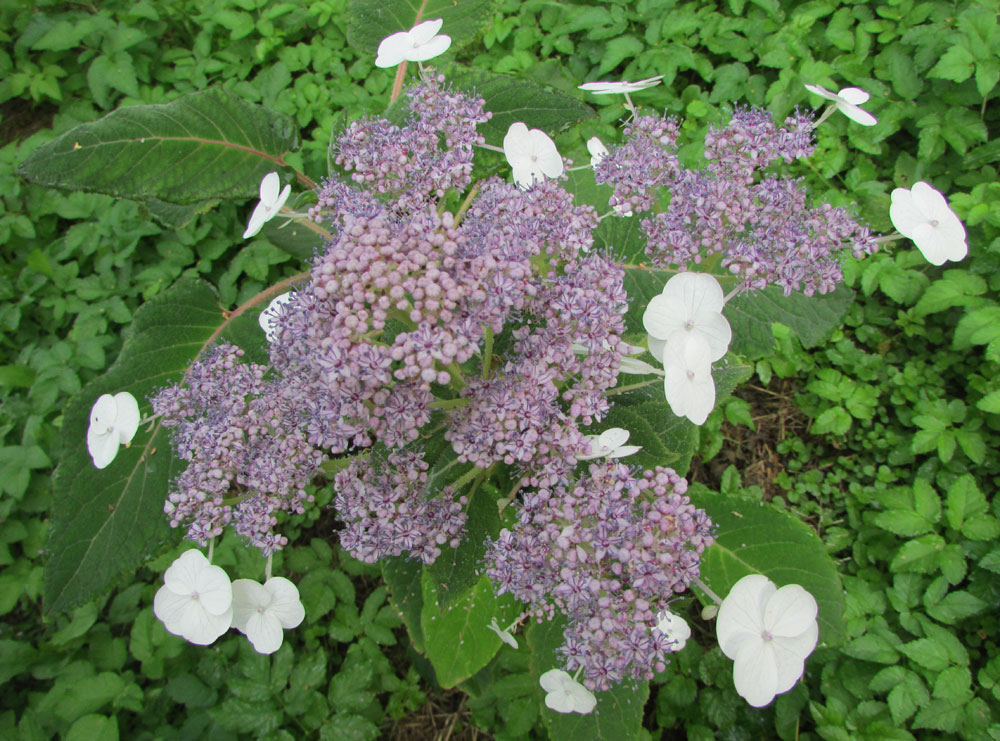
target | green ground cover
x=883, y=439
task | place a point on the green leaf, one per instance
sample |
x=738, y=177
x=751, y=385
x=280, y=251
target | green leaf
x=872, y=647
x=457, y=636
x=907, y=697
x=513, y=99
x=927, y=653
x=457, y=569
x=755, y=538
x=811, y=318
x=106, y=522
x=919, y=554
x=954, y=288
x=955, y=64
x=619, y=711
x=368, y=23
x=404, y=577
x=978, y=327
x=956, y=606
x=93, y=726
x=202, y=146
x=964, y=501
x=21, y=376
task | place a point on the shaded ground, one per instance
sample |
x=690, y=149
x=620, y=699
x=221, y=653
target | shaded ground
x=442, y=718
x=19, y=119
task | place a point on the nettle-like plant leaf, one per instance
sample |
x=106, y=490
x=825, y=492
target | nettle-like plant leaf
x=204, y=146
x=618, y=715
x=370, y=22
x=755, y=538
x=106, y=522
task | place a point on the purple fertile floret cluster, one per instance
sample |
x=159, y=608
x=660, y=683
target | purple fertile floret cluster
x=248, y=455
x=608, y=551
x=759, y=223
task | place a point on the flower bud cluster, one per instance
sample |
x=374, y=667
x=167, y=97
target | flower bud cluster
x=608, y=551
x=248, y=456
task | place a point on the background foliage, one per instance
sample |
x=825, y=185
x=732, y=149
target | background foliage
x=881, y=439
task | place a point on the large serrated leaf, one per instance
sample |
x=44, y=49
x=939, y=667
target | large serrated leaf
x=106, y=522
x=618, y=715
x=204, y=146
x=756, y=538
x=369, y=22
x=457, y=569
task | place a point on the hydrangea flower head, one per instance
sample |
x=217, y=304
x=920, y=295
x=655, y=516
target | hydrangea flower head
x=620, y=88
x=271, y=201
x=113, y=422
x=847, y=101
x=532, y=155
x=196, y=599
x=263, y=611
x=768, y=632
x=674, y=627
x=420, y=43
x=922, y=214
x=565, y=695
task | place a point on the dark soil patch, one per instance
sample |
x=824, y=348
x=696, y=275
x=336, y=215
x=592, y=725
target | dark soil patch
x=19, y=119
x=754, y=452
x=443, y=717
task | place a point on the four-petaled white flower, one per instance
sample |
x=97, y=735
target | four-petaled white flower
x=420, y=43
x=504, y=634
x=597, y=150
x=609, y=444
x=565, y=695
x=531, y=154
x=263, y=611
x=847, y=101
x=269, y=316
x=687, y=379
x=620, y=88
x=271, y=201
x=113, y=422
x=196, y=599
x=675, y=628
x=768, y=632
x=922, y=214
x=690, y=304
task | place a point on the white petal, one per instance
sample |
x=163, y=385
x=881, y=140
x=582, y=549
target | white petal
x=169, y=608
x=127, y=419
x=249, y=598
x=285, y=604
x=182, y=575
x=516, y=142
x=560, y=701
x=103, y=413
x=741, y=616
x=859, y=115
x=545, y=154
x=103, y=447
x=525, y=176
x=215, y=591
x=800, y=646
x=504, y=635
x=435, y=47
x=790, y=663
x=656, y=346
x=675, y=628
x=714, y=328
x=393, y=49
x=264, y=632
x=634, y=366
x=597, y=150
x=854, y=95
x=583, y=699
x=553, y=680
x=424, y=32
x=790, y=611
x=259, y=217
x=664, y=315
x=928, y=240
x=613, y=437
x=624, y=451
x=903, y=212
x=822, y=92
x=202, y=628
x=699, y=292
x=755, y=672
x=282, y=198
x=269, y=188
x=701, y=402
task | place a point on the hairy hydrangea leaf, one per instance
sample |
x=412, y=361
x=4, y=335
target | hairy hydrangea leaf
x=368, y=23
x=203, y=146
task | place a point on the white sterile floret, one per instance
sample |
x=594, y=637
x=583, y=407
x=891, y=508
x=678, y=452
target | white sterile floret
x=196, y=599
x=269, y=316
x=620, y=88
x=690, y=304
x=847, y=102
x=420, y=43
x=636, y=367
x=113, y=422
x=532, y=155
x=271, y=201
x=674, y=627
x=597, y=150
x=609, y=444
x=504, y=634
x=565, y=695
x=768, y=632
x=263, y=611
x=687, y=379
x=922, y=214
